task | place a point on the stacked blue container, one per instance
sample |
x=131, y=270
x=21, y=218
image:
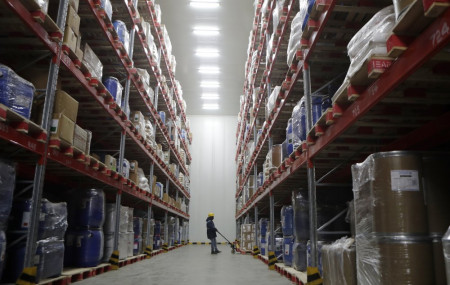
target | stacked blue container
x=287, y=224
x=137, y=228
x=263, y=233
x=157, y=236
x=114, y=87
x=85, y=240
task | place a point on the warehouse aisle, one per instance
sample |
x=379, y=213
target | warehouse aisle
x=193, y=265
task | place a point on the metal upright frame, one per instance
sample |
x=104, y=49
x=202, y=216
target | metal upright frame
x=38, y=183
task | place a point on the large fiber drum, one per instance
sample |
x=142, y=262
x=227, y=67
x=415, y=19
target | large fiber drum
x=406, y=262
x=397, y=194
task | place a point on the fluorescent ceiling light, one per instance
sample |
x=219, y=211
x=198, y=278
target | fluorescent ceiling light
x=209, y=70
x=204, y=4
x=206, y=31
x=210, y=84
x=210, y=96
x=211, y=106
x=207, y=52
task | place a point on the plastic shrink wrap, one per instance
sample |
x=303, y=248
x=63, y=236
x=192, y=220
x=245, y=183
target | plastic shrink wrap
x=296, y=33
x=301, y=217
x=15, y=92
x=299, y=123
x=92, y=62
x=49, y=258
x=392, y=241
x=122, y=32
x=370, y=44
x=7, y=184
x=87, y=208
x=272, y=99
x=339, y=262
x=53, y=220
x=107, y=7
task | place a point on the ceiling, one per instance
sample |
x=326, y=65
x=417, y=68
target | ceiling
x=234, y=19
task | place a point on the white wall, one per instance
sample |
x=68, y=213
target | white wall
x=213, y=175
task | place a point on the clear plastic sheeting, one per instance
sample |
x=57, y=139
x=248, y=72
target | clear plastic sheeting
x=158, y=13
x=53, y=220
x=272, y=99
x=7, y=184
x=107, y=7
x=301, y=216
x=299, y=123
x=371, y=44
x=392, y=242
x=296, y=35
x=43, y=4
x=16, y=93
x=339, y=262
x=269, y=53
x=49, y=258
x=92, y=62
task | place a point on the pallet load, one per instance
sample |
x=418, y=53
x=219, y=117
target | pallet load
x=339, y=262
x=16, y=93
x=247, y=237
x=262, y=235
x=50, y=240
x=287, y=226
x=138, y=230
x=301, y=231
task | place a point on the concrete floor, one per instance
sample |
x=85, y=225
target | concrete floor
x=194, y=265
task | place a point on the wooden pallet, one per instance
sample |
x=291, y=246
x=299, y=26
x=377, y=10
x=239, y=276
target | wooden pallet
x=60, y=280
x=21, y=124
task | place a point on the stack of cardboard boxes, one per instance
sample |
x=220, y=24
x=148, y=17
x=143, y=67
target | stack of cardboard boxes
x=72, y=35
x=247, y=236
x=139, y=123
x=273, y=160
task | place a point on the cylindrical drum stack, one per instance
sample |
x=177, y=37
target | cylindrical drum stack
x=392, y=237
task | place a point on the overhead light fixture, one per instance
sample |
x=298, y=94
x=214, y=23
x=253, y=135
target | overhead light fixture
x=211, y=106
x=207, y=52
x=205, y=4
x=210, y=84
x=206, y=31
x=209, y=70
x=210, y=96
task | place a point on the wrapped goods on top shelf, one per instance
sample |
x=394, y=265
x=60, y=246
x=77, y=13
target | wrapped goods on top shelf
x=299, y=123
x=272, y=100
x=339, y=262
x=125, y=168
x=158, y=13
x=92, y=62
x=269, y=50
x=122, y=32
x=107, y=7
x=16, y=93
x=7, y=184
x=114, y=87
x=372, y=42
x=145, y=77
x=173, y=63
x=167, y=41
x=143, y=181
x=139, y=122
x=305, y=8
x=392, y=241
x=295, y=36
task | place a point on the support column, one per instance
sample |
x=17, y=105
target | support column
x=272, y=256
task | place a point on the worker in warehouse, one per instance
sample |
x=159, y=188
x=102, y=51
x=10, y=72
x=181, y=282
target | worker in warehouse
x=211, y=233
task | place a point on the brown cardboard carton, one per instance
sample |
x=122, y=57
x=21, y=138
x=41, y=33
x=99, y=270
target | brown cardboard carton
x=70, y=39
x=74, y=4
x=154, y=182
x=38, y=77
x=66, y=105
x=277, y=155
x=134, y=166
x=134, y=177
x=73, y=20
x=80, y=137
x=62, y=128
x=166, y=197
x=110, y=162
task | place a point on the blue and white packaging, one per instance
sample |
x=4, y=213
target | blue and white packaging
x=115, y=88
x=106, y=5
x=16, y=93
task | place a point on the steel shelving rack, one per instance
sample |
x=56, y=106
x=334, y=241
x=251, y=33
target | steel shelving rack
x=29, y=144
x=399, y=104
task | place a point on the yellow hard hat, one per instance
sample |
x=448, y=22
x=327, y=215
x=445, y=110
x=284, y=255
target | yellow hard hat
x=211, y=215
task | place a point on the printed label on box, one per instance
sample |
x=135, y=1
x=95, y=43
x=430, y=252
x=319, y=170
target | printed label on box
x=405, y=180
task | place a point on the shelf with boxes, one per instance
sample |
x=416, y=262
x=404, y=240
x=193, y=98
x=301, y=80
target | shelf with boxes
x=392, y=98
x=91, y=120
x=284, y=14
x=139, y=77
x=169, y=59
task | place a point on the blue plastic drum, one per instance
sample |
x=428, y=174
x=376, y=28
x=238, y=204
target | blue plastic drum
x=288, y=250
x=121, y=30
x=137, y=226
x=162, y=114
x=88, y=248
x=115, y=88
x=316, y=108
x=87, y=209
x=287, y=220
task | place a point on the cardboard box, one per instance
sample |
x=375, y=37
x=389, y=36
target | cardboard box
x=134, y=166
x=80, y=137
x=73, y=20
x=39, y=78
x=166, y=197
x=70, y=39
x=66, y=105
x=92, y=62
x=134, y=177
x=110, y=162
x=74, y=4
x=62, y=128
x=154, y=182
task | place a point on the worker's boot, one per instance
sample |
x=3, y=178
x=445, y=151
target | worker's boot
x=217, y=251
x=213, y=252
